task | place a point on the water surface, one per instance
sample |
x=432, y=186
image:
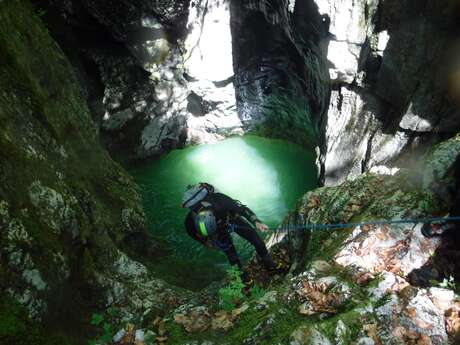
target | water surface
x=265, y=174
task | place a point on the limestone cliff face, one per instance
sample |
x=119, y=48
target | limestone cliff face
x=275, y=53
x=376, y=77
x=68, y=213
x=159, y=74
x=156, y=81
x=391, y=68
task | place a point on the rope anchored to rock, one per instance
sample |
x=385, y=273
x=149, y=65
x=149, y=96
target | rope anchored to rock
x=335, y=226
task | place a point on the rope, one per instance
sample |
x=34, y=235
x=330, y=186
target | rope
x=350, y=225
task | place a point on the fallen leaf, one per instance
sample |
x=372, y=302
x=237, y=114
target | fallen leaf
x=411, y=312
x=411, y=334
x=399, y=331
x=381, y=236
x=313, y=202
x=372, y=331
x=222, y=320
x=179, y=318
x=452, y=317
x=424, y=325
x=424, y=340
x=364, y=278
x=367, y=227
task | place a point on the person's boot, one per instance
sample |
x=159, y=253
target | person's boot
x=248, y=283
x=269, y=263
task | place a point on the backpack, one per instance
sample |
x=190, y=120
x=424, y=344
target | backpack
x=195, y=193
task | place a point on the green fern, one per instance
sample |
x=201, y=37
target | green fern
x=232, y=294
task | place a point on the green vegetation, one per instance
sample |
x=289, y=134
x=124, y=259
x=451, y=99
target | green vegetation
x=272, y=325
x=232, y=294
x=104, y=328
x=447, y=283
x=18, y=329
x=288, y=116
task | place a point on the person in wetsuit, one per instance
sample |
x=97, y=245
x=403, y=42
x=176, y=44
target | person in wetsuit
x=214, y=215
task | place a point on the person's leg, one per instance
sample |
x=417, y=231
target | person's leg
x=225, y=243
x=233, y=259
x=249, y=234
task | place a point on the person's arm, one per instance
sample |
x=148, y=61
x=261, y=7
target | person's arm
x=242, y=210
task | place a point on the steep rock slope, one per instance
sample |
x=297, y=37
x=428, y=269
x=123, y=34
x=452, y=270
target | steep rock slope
x=154, y=78
x=68, y=213
x=158, y=74
x=394, y=86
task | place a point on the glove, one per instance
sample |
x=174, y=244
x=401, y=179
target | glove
x=261, y=227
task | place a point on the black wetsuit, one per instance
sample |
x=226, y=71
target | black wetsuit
x=228, y=211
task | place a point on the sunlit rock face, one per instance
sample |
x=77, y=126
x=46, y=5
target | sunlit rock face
x=391, y=65
x=165, y=70
x=209, y=67
x=380, y=78
x=393, y=264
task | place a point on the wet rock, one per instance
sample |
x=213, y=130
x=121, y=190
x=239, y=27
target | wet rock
x=350, y=25
x=119, y=335
x=365, y=341
x=308, y=335
x=388, y=283
x=452, y=316
x=365, y=58
x=52, y=207
x=34, y=278
x=440, y=161
x=443, y=299
x=320, y=266
x=342, y=333
x=397, y=248
x=414, y=122
x=412, y=318
x=116, y=121
x=320, y=295
x=132, y=220
x=194, y=319
x=383, y=170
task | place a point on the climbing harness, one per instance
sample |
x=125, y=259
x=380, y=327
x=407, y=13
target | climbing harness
x=335, y=226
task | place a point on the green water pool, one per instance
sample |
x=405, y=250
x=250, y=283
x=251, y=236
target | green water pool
x=265, y=174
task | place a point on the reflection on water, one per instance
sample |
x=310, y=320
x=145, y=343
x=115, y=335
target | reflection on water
x=267, y=175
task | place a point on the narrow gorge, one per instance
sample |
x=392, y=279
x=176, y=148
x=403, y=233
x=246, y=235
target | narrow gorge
x=316, y=113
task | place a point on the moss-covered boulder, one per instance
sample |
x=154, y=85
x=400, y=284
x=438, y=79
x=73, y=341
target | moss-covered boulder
x=67, y=211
